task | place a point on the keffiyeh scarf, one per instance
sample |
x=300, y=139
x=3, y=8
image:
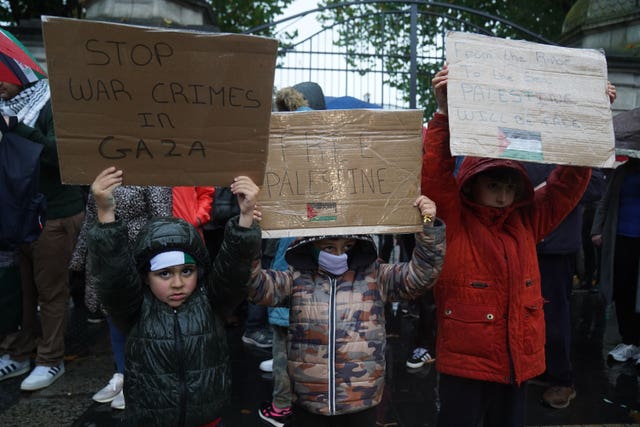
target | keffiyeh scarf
x=27, y=104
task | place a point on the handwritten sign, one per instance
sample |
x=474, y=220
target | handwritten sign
x=528, y=101
x=342, y=172
x=168, y=107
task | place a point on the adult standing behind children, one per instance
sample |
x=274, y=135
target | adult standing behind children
x=557, y=257
x=491, y=330
x=337, y=289
x=166, y=296
x=616, y=228
x=44, y=263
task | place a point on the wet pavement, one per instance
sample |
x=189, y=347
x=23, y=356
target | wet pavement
x=607, y=395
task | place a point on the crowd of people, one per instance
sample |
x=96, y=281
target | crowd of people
x=167, y=288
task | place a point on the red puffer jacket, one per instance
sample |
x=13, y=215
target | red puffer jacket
x=490, y=319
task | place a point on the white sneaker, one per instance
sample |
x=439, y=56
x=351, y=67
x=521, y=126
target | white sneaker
x=111, y=390
x=266, y=366
x=623, y=352
x=42, y=376
x=10, y=368
x=118, y=402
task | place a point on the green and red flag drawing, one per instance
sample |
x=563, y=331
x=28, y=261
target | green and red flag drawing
x=17, y=65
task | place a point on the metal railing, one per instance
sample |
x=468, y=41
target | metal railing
x=361, y=71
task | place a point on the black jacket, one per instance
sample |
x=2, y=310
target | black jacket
x=566, y=238
x=177, y=364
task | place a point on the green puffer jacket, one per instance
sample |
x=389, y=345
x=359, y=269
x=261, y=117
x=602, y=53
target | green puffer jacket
x=177, y=363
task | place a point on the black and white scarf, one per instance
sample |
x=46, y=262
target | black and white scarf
x=27, y=104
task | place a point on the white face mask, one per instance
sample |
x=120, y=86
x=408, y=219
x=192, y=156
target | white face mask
x=334, y=264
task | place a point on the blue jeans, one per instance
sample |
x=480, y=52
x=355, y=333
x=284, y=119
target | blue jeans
x=117, y=345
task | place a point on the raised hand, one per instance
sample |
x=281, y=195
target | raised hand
x=102, y=190
x=611, y=92
x=439, y=83
x=247, y=192
x=427, y=209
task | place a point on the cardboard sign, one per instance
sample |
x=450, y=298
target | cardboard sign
x=342, y=172
x=528, y=101
x=168, y=107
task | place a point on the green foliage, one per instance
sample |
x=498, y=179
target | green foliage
x=232, y=16
x=384, y=28
x=240, y=15
x=16, y=11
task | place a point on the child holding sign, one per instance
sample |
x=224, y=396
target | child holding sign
x=491, y=330
x=337, y=289
x=166, y=296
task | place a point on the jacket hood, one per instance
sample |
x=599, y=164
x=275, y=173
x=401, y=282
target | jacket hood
x=170, y=234
x=472, y=166
x=300, y=256
x=312, y=92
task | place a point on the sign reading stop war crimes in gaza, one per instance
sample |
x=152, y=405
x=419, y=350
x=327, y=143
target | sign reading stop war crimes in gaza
x=342, y=171
x=168, y=107
x=528, y=101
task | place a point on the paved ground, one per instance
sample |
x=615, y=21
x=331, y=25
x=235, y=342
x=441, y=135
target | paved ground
x=607, y=395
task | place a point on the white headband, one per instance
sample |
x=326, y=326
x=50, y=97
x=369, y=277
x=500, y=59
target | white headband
x=169, y=259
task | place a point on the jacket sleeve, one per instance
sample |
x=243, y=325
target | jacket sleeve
x=270, y=287
x=562, y=192
x=595, y=189
x=231, y=270
x=118, y=283
x=159, y=201
x=438, y=181
x=79, y=256
x=409, y=280
x=602, y=210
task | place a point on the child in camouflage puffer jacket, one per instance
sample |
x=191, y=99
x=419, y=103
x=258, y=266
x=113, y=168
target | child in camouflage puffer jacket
x=337, y=289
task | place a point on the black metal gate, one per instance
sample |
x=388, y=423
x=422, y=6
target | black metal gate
x=361, y=71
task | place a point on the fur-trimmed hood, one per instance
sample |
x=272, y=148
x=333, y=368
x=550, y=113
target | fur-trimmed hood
x=300, y=256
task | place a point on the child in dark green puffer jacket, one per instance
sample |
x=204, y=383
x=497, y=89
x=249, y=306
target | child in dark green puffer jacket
x=167, y=297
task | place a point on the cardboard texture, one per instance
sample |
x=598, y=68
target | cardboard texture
x=168, y=107
x=528, y=101
x=342, y=172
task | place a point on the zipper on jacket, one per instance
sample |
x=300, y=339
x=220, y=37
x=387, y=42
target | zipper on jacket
x=182, y=380
x=512, y=369
x=332, y=346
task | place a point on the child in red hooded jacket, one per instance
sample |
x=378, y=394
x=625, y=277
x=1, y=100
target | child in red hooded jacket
x=491, y=330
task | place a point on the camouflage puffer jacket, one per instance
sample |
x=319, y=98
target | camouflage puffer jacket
x=177, y=369
x=336, y=342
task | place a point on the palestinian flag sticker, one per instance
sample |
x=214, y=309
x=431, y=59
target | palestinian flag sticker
x=520, y=144
x=322, y=212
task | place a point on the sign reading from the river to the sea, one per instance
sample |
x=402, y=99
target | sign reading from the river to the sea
x=169, y=107
x=342, y=172
x=528, y=101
